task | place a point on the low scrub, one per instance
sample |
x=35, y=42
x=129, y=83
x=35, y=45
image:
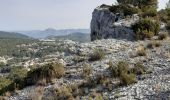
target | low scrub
x=87, y=70
x=141, y=52
x=64, y=93
x=153, y=44
x=46, y=73
x=146, y=28
x=163, y=36
x=125, y=9
x=149, y=13
x=122, y=71
x=127, y=79
x=20, y=78
x=5, y=85
x=138, y=69
x=98, y=54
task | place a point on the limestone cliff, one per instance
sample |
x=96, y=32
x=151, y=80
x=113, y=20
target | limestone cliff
x=105, y=24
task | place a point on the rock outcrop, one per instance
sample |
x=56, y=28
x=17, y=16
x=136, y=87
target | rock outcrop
x=105, y=24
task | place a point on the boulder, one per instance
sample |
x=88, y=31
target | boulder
x=105, y=24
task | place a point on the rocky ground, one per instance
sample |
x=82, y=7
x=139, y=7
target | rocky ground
x=152, y=86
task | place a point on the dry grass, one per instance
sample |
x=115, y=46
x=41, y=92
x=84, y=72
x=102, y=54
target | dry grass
x=87, y=70
x=141, y=52
x=153, y=44
x=163, y=36
x=46, y=73
x=98, y=54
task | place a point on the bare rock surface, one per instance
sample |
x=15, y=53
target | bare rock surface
x=105, y=24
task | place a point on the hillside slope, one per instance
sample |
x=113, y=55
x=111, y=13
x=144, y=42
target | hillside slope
x=41, y=34
x=11, y=35
x=78, y=37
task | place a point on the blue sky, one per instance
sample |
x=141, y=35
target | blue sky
x=42, y=14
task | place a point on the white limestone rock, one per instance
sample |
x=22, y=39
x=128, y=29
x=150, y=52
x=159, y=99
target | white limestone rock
x=105, y=24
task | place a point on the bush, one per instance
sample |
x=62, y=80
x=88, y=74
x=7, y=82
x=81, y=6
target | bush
x=20, y=78
x=113, y=69
x=122, y=71
x=2, y=64
x=153, y=45
x=138, y=69
x=127, y=79
x=46, y=73
x=123, y=8
x=141, y=52
x=146, y=28
x=149, y=13
x=63, y=93
x=87, y=70
x=17, y=76
x=5, y=85
x=162, y=36
x=122, y=67
x=98, y=54
x=163, y=16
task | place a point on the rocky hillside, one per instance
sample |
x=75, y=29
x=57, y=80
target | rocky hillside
x=89, y=76
x=109, y=68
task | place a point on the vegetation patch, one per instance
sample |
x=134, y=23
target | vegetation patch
x=141, y=52
x=163, y=36
x=122, y=71
x=138, y=69
x=87, y=70
x=146, y=28
x=153, y=44
x=20, y=78
x=46, y=73
x=123, y=8
x=98, y=54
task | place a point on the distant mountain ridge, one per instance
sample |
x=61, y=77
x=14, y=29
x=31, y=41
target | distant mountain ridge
x=12, y=35
x=78, y=37
x=41, y=34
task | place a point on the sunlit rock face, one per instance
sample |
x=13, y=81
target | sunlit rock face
x=168, y=4
x=105, y=24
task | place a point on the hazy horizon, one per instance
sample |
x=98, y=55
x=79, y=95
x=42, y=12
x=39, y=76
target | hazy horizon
x=23, y=15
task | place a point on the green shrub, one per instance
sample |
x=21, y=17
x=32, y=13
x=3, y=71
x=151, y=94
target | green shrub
x=138, y=68
x=113, y=69
x=162, y=36
x=127, y=79
x=123, y=8
x=46, y=73
x=149, y=13
x=98, y=54
x=146, y=28
x=2, y=64
x=123, y=72
x=17, y=76
x=123, y=67
x=5, y=85
x=20, y=78
x=63, y=93
x=163, y=16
